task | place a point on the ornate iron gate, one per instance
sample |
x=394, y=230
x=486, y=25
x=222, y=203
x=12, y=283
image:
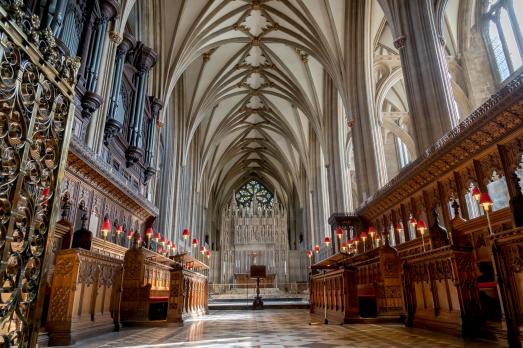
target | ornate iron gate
x=36, y=112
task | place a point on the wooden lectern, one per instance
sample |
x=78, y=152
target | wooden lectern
x=258, y=272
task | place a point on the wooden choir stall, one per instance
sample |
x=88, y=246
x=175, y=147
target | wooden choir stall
x=158, y=290
x=353, y=288
x=460, y=271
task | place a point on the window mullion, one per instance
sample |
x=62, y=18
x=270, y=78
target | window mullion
x=515, y=26
x=506, y=51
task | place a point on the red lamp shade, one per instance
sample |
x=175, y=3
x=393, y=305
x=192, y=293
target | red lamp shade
x=208, y=254
x=160, y=250
x=162, y=241
x=363, y=235
x=149, y=232
x=349, y=242
x=129, y=234
x=372, y=230
x=169, y=244
x=157, y=236
x=194, y=242
x=339, y=232
x=327, y=241
x=356, y=239
x=309, y=253
x=185, y=233
x=173, y=247
x=421, y=226
x=476, y=193
x=378, y=237
x=106, y=227
x=399, y=228
x=119, y=230
x=317, y=248
x=139, y=239
x=343, y=246
x=485, y=201
x=202, y=250
x=413, y=221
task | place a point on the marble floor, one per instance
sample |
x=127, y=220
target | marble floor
x=274, y=328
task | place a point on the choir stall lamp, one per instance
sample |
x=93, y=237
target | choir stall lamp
x=422, y=228
x=185, y=235
x=309, y=255
x=372, y=232
x=486, y=203
x=148, y=236
x=343, y=247
x=106, y=228
x=169, y=247
x=356, y=242
x=364, y=237
x=119, y=232
x=208, y=254
x=317, y=249
x=129, y=237
x=350, y=244
x=476, y=193
x=378, y=240
x=327, y=241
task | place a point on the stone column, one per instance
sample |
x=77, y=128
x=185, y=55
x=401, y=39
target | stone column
x=91, y=101
x=335, y=147
x=429, y=92
x=146, y=58
x=112, y=125
x=369, y=156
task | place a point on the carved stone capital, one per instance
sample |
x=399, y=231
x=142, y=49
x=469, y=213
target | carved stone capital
x=400, y=42
x=115, y=37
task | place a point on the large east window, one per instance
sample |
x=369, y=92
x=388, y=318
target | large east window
x=503, y=33
x=254, y=190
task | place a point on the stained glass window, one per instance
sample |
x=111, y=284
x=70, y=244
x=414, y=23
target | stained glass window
x=254, y=190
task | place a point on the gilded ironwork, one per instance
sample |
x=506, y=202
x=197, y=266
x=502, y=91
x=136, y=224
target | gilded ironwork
x=35, y=113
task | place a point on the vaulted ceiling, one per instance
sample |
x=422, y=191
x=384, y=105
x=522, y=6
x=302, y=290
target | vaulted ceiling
x=252, y=75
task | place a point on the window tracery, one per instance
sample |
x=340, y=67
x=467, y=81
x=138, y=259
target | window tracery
x=503, y=36
x=254, y=190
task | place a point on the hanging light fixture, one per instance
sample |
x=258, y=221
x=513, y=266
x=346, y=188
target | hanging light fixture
x=106, y=228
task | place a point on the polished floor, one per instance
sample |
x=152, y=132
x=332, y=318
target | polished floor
x=274, y=328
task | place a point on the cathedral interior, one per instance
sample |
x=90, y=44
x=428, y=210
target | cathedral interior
x=261, y=173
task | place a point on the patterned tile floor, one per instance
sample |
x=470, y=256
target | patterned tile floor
x=274, y=328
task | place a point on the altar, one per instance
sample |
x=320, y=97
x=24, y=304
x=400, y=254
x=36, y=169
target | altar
x=244, y=280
